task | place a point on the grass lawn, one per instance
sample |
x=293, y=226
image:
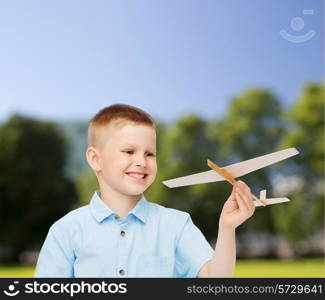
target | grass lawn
x=244, y=268
x=16, y=271
x=277, y=268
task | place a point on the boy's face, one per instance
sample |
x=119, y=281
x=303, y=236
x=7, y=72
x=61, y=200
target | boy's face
x=127, y=158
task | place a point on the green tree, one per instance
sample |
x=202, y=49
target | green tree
x=86, y=184
x=183, y=149
x=305, y=214
x=252, y=127
x=33, y=187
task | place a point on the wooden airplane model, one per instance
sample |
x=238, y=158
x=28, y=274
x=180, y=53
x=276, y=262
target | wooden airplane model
x=233, y=171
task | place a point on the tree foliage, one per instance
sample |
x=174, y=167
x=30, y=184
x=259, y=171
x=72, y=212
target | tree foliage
x=305, y=214
x=252, y=127
x=34, y=191
x=184, y=149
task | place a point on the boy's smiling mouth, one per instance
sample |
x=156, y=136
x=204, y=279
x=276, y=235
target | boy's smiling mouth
x=138, y=176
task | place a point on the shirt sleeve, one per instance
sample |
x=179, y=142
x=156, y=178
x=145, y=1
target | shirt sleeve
x=192, y=250
x=56, y=257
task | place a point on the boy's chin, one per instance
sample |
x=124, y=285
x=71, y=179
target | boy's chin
x=133, y=193
x=135, y=190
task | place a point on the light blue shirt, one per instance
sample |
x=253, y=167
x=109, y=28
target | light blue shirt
x=151, y=241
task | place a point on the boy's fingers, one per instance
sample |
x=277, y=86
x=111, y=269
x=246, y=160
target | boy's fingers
x=247, y=201
x=240, y=200
x=251, y=203
x=247, y=191
x=233, y=193
x=243, y=185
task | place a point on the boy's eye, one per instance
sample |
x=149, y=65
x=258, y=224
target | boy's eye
x=150, y=154
x=132, y=152
x=128, y=151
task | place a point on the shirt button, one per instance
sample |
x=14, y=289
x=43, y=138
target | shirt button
x=117, y=217
x=122, y=233
x=122, y=272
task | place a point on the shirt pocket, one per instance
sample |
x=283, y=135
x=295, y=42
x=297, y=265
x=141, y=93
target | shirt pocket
x=155, y=266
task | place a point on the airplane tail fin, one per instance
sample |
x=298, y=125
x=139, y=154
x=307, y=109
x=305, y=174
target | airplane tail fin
x=263, y=195
x=270, y=200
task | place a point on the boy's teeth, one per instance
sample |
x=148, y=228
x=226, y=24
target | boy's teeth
x=136, y=175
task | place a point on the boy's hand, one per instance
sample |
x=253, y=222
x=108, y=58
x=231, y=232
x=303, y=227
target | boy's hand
x=238, y=208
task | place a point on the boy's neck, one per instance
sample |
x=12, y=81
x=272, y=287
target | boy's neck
x=121, y=204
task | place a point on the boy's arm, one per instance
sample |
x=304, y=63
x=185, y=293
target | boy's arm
x=236, y=210
x=56, y=256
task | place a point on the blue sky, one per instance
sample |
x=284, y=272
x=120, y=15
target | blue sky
x=65, y=60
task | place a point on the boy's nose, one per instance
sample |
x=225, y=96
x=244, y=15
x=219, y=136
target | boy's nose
x=140, y=161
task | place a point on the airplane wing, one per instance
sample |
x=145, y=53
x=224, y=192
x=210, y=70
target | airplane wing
x=236, y=170
x=270, y=201
x=203, y=177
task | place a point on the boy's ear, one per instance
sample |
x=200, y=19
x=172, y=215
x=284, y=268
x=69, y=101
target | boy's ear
x=93, y=158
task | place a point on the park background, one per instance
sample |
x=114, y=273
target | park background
x=220, y=80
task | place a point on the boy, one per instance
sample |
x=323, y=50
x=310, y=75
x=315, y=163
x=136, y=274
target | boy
x=120, y=233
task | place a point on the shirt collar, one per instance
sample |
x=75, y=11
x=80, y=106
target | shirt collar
x=140, y=210
x=101, y=211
